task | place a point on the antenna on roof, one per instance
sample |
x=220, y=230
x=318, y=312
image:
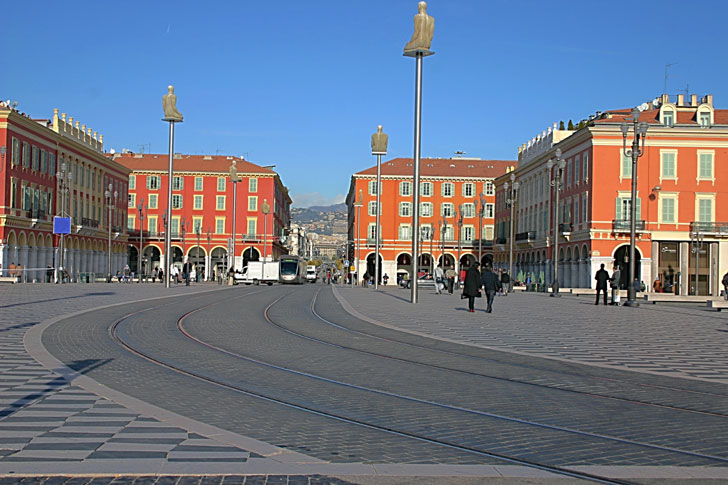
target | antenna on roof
x=460, y=153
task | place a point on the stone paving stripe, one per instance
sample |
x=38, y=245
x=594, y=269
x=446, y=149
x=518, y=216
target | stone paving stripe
x=126, y=455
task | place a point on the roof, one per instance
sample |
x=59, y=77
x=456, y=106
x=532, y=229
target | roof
x=149, y=162
x=443, y=167
x=652, y=116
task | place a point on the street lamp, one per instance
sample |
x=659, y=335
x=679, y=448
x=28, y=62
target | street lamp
x=697, y=243
x=234, y=178
x=141, y=240
x=419, y=48
x=460, y=239
x=64, y=177
x=358, y=205
x=443, y=233
x=198, y=232
x=208, y=272
x=379, y=148
x=556, y=183
x=511, y=199
x=172, y=116
x=640, y=133
x=111, y=204
x=480, y=227
x=265, y=208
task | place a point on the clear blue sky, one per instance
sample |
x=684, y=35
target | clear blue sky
x=303, y=84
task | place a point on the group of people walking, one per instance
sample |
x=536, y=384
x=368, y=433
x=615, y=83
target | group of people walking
x=475, y=280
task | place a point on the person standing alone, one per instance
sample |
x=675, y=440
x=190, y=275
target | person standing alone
x=491, y=284
x=471, y=288
x=602, y=277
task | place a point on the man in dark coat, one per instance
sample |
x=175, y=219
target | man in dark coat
x=491, y=284
x=602, y=277
x=471, y=288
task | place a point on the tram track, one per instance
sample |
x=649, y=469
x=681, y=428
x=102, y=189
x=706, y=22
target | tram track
x=113, y=330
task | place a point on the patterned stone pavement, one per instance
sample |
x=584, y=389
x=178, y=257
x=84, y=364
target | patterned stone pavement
x=679, y=340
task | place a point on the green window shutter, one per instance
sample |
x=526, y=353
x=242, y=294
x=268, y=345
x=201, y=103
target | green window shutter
x=618, y=209
x=638, y=210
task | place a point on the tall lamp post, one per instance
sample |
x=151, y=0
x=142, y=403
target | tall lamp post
x=419, y=48
x=379, y=148
x=111, y=204
x=481, y=210
x=208, y=270
x=265, y=208
x=171, y=116
x=511, y=199
x=198, y=232
x=640, y=133
x=556, y=183
x=141, y=240
x=234, y=178
x=64, y=177
x=357, y=205
x=443, y=233
x=460, y=238
x=697, y=240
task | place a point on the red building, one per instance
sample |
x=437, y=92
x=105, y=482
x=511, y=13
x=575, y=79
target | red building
x=32, y=153
x=202, y=211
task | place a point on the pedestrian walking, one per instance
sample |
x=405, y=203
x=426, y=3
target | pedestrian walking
x=505, y=282
x=614, y=283
x=602, y=277
x=725, y=285
x=491, y=284
x=186, y=270
x=439, y=278
x=450, y=275
x=471, y=287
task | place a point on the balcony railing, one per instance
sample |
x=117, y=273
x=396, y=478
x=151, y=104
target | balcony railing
x=526, y=236
x=85, y=221
x=500, y=240
x=715, y=228
x=565, y=227
x=623, y=225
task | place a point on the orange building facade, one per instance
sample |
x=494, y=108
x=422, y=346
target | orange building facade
x=455, y=225
x=202, y=211
x=33, y=151
x=682, y=198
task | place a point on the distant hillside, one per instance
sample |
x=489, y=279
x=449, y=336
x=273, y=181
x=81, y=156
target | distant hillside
x=329, y=208
x=321, y=219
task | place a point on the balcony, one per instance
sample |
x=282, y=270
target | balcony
x=623, y=225
x=565, y=227
x=501, y=240
x=526, y=236
x=709, y=228
x=89, y=222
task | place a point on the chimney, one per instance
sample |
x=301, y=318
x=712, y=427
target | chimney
x=665, y=98
x=681, y=100
x=709, y=100
x=693, y=100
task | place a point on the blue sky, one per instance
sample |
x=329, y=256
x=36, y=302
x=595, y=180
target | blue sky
x=303, y=85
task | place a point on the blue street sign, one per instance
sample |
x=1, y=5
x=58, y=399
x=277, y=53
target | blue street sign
x=61, y=225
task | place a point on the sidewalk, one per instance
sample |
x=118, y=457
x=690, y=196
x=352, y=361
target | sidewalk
x=682, y=340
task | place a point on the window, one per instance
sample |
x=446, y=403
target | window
x=35, y=158
x=252, y=203
x=489, y=188
x=405, y=233
x=626, y=166
x=704, y=119
x=43, y=161
x=198, y=184
x=221, y=184
x=252, y=185
x=468, y=190
x=152, y=225
x=132, y=182
x=372, y=208
x=130, y=222
x=220, y=202
x=668, y=165
x=26, y=155
x=152, y=201
x=405, y=188
x=426, y=189
x=153, y=182
x=447, y=189
x=585, y=163
x=178, y=183
x=468, y=210
x=197, y=224
x=174, y=227
x=668, y=118
x=584, y=208
x=468, y=233
x=577, y=163
x=197, y=202
x=705, y=165
x=371, y=231
x=667, y=209
x=446, y=209
x=490, y=210
x=15, y=154
x=622, y=210
x=372, y=187
x=405, y=209
x=489, y=233
x=449, y=233
x=176, y=201
x=252, y=227
x=220, y=225
x=132, y=200
x=425, y=209
x=705, y=209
